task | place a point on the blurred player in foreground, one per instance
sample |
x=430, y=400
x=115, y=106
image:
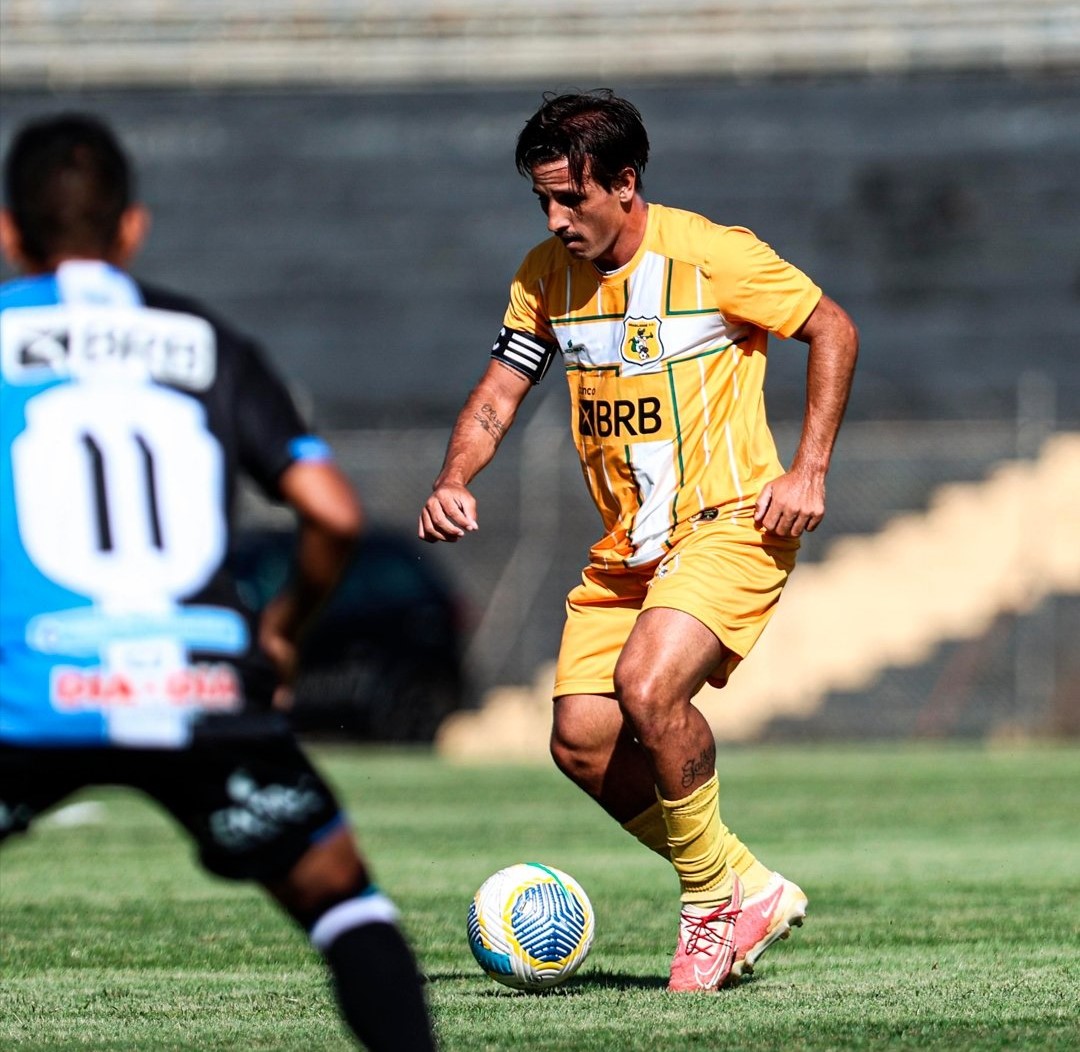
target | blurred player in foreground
x=125, y=655
x=660, y=319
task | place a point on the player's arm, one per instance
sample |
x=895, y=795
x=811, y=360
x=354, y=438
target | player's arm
x=796, y=500
x=293, y=466
x=329, y=520
x=450, y=512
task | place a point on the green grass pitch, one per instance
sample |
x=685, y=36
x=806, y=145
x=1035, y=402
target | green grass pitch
x=944, y=889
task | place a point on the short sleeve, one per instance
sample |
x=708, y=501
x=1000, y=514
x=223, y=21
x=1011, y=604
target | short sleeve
x=527, y=311
x=271, y=434
x=752, y=283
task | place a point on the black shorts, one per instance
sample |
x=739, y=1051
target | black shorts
x=243, y=789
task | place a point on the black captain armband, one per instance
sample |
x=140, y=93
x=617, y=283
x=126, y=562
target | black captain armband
x=523, y=351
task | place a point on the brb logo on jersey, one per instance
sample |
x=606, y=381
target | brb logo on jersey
x=624, y=418
x=641, y=341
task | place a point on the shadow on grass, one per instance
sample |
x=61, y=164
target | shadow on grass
x=578, y=985
x=622, y=981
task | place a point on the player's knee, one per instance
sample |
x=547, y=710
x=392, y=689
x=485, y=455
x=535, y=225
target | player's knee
x=640, y=695
x=575, y=759
x=649, y=707
x=566, y=756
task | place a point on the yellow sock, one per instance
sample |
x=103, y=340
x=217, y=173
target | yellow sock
x=704, y=851
x=752, y=873
x=651, y=829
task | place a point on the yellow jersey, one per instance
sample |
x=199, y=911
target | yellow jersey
x=665, y=359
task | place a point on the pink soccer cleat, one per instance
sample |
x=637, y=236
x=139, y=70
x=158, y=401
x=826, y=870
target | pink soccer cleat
x=706, y=948
x=764, y=918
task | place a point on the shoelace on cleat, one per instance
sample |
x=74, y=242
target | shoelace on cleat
x=700, y=930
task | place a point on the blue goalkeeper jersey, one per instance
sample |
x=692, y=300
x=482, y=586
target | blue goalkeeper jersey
x=127, y=415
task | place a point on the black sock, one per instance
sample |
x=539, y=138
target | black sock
x=378, y=989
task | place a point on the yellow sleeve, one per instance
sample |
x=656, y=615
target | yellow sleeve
x=752, y=283
x=527, y=311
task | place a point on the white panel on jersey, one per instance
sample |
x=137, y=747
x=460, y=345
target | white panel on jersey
x=97, y=284
x=118, y=493
x=46, y=343
x=654, y=471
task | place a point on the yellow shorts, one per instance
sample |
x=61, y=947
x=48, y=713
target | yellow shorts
x=727, y=575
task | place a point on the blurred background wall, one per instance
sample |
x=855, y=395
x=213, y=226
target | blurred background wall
x=338, y=178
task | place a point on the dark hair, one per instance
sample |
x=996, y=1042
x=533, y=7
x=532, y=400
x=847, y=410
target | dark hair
x=67, y=182
x=596, y=132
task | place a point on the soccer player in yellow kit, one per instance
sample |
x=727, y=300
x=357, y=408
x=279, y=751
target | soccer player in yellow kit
x=661, y=320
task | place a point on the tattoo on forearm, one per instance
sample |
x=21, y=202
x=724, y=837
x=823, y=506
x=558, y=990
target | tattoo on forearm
x=489, y=420
x=699, y=765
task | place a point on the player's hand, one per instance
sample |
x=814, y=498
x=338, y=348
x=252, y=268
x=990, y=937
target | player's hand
x=277, y=638
x=448, y=514
x=791, y=504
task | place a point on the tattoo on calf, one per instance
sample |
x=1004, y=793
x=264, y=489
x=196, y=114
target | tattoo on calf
x=699, y=765
x=490, y=422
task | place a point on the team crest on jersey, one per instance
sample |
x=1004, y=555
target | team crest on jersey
x=641, y=341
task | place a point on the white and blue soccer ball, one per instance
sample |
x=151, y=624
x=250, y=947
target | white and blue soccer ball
x=530, y=926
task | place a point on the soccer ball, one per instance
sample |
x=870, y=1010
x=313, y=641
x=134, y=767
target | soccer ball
x=530, y=926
